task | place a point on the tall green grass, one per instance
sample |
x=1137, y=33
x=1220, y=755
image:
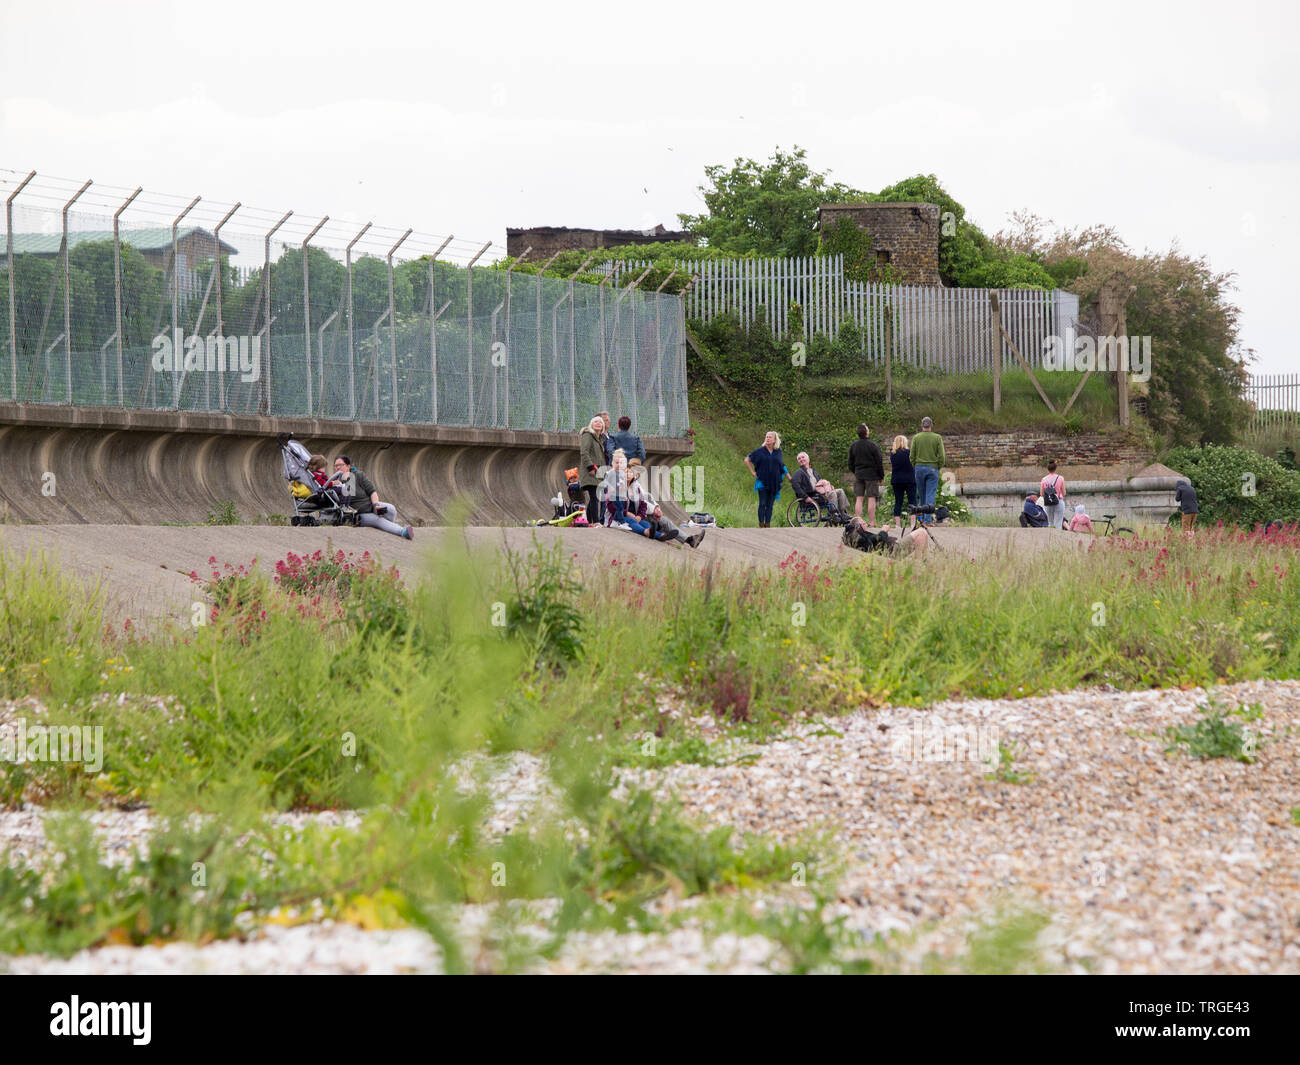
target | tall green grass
x=289, y=700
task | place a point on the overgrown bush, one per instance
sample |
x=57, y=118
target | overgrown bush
x=1237, y=486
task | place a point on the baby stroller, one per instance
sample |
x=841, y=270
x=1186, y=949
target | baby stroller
x=312, y=504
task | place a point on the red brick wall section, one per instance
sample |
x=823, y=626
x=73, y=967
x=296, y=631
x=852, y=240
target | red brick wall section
x=909, y=232
x=1034, y=449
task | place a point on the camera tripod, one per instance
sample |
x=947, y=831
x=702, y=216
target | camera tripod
x=917, y=522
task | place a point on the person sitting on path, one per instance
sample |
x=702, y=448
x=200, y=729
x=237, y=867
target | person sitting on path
x=361, y=491
x=1033, y=516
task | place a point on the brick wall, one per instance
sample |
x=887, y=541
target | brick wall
x=547, y=240
x=1034, y=449
x=906, y=233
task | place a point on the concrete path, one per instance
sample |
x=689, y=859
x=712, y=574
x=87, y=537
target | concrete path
x=144, y=570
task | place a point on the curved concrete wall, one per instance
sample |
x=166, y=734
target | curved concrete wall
x=153, y=467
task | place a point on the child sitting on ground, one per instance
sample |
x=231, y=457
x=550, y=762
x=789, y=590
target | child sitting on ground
x=1080, y=522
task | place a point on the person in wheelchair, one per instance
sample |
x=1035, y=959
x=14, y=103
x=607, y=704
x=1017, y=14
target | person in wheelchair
x=809, y=486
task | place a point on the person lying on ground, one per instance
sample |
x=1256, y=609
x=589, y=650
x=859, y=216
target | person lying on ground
x=857, y=535
x=663, y=529
x=364, y=498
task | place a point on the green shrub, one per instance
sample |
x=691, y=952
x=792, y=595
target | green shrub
x=543, y=611
x=224, y=513
x=1213, y=736
x=1237, y=486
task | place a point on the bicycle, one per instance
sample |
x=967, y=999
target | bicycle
x=1111, y=529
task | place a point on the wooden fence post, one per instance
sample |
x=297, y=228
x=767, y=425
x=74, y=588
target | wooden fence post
x=996, y=337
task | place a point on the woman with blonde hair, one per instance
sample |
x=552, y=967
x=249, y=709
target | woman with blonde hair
x=591, y=461
x=767, y=467
x=902, y=477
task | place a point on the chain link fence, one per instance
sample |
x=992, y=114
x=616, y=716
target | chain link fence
x=122, y=299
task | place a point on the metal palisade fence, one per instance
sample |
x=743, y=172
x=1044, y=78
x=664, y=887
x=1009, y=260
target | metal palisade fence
x=948, y=329
x=125, y=299
x=1276, y=398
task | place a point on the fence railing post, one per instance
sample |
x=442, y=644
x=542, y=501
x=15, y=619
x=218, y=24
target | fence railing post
x=392, y=328
x=266, y=266
x=538, y=392
x=221, y=321
x=177, y=380
x=306, y=309
x=352, y=361
x=995, y=339
x=13, y=293
x=67, y=290
x=469, y=324
x=433, y=334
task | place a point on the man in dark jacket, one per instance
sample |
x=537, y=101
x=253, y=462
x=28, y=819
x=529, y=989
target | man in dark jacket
x=1033, y=516
x=868, y=468
x=1185, y=497
x=627, y=440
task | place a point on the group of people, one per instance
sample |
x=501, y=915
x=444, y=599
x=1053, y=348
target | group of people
x=1045, y=509
x=350, y=486
x=610, y=466
x=914, y=475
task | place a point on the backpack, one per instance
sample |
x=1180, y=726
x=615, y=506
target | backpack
x=1049, y=492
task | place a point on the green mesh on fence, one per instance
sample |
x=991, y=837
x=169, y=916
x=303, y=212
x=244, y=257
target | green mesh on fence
x=148, y=322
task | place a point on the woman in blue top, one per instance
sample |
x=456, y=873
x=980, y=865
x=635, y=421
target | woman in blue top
x=767, y=467
x=902, y=476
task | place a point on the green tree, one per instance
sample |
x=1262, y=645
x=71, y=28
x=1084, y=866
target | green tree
x=1237, y=486
x=967, y=257
x=765, y=208
x=1198, y=375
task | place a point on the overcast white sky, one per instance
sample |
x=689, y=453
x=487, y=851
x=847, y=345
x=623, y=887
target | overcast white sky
x=1173, y=122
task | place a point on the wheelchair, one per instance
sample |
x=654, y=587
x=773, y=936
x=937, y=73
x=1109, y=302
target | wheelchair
x=808, y=511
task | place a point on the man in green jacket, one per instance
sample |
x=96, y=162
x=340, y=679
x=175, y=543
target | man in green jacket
x=928, y=459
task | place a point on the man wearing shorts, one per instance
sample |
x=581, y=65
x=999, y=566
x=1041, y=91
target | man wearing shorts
x=868, y=468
